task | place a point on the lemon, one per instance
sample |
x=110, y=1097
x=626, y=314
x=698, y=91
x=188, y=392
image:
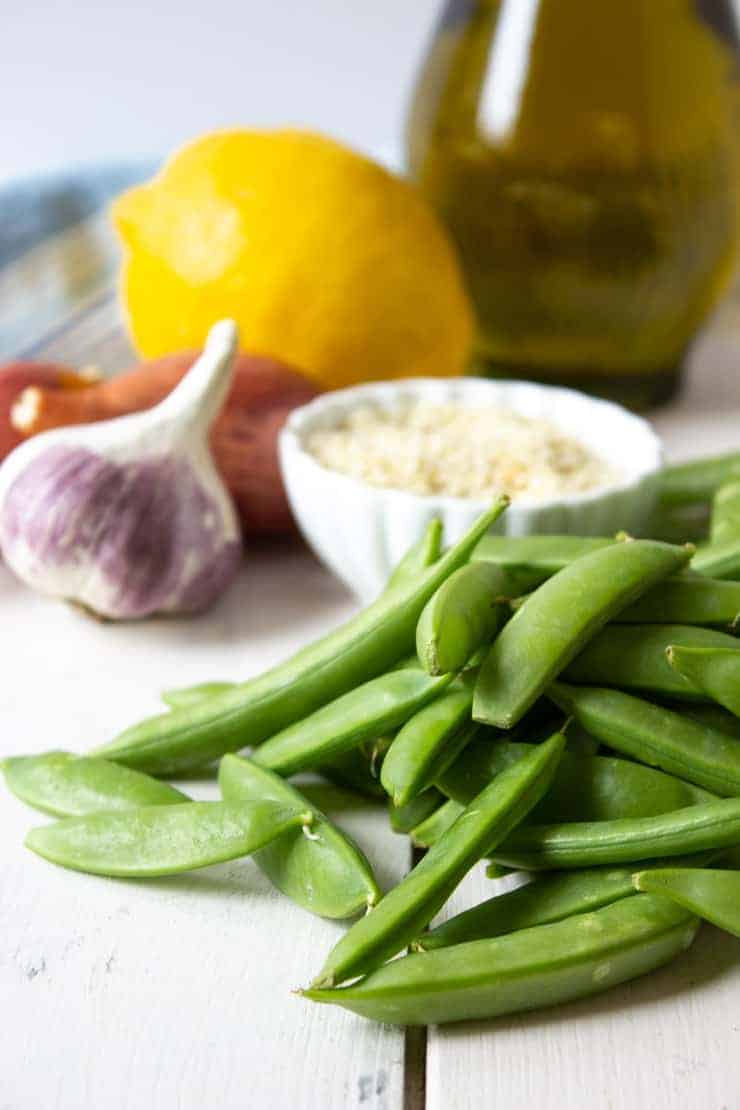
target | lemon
x=325, y=260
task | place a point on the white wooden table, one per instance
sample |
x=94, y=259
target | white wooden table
x=176, y=993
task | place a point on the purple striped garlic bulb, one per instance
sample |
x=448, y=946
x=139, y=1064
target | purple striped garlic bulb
x=128, y=517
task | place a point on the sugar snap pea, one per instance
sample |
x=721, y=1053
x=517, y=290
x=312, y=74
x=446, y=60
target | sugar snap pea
x=465, y=613
x=713, y=895
x=428, y=742
x=359, y=650
x=325, y=872
x=548, y=898
x=633, y=657
x=696, y=828
x=654, y=734
x=536, y=558
x=67, y=785
x=725, y=523
x=714, y=716
x=559, y=618
x=714, y=670
x=718, y=560
x=406, y=817
x=685, y=483
x=163, y=840
x=371, y=709
x=358, y=769
x=407, y=909
x=585, y=788
x=524, y=970
x=428, y=832
x=687, y=599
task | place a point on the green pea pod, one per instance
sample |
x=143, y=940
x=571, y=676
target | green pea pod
x=371, y=709
x=428, y=742
x=526, y=970
x=404, y=818
x=185, y=696
x=357, y=769
x=547, y=899
x=713, y=670
x=713, y=895
x=66, y=785
x=163, y=840
x=364, y=647
x=590, y=843
x=533, y=559
x=691, y=599
x=725, y=523
x=424, y=553
x=661, y=737
x=465, y=613
x=559, y=618
x=714, y=716
x=585, y=788
x=718, y=560
x=680, y=523
x=402, y=913
x=428, y=832
x=323, y=871
x=633, y=657
x=685, y=483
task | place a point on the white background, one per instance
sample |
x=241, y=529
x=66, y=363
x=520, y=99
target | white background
x=83, y=80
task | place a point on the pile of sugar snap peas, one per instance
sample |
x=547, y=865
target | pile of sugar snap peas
x=568, y=707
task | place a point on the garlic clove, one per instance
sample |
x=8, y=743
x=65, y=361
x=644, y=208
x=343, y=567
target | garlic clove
x=128, y=517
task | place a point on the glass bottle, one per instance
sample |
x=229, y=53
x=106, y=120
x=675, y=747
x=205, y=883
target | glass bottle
x=584, y=154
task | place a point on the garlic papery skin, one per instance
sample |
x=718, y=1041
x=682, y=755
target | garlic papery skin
x=129, y=517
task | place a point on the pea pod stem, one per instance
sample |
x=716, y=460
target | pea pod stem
x=408, y=908
x=525, y=970
x=356, y=652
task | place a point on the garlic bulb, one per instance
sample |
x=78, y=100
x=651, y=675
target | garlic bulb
x=128, y=517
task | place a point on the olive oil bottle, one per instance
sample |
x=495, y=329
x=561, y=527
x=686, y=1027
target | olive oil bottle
x=584, y=154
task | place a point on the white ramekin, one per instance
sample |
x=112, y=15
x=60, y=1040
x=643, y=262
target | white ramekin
x=361, y=531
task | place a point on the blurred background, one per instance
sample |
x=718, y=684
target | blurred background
x=105, y=80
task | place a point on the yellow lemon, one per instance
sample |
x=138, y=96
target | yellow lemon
x=323, y=258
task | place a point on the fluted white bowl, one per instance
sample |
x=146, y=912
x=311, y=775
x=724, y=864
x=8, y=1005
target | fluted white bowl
x=361, y=531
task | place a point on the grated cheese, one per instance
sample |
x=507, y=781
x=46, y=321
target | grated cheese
x=460, y=451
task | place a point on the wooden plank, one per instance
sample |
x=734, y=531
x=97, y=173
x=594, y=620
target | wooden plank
x=177, y=992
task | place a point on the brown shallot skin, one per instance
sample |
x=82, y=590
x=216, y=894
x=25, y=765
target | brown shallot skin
x=53, y=377
x=243, y=440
